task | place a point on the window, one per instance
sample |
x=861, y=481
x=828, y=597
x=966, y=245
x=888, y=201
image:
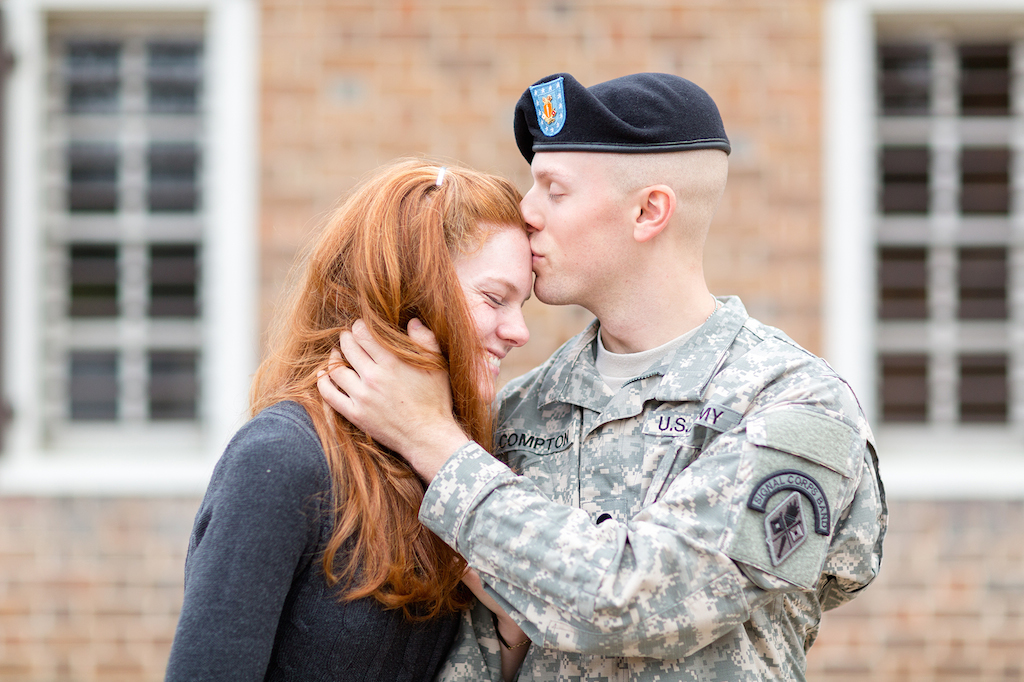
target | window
x=923, y=259
x=945, y=225
x=124, y=227
x=130, y=243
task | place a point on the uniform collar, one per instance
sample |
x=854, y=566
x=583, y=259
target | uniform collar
x=688, y=371
x=575, y=379
x=685, y=373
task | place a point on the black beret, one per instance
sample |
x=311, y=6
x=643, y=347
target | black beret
x=639, y=113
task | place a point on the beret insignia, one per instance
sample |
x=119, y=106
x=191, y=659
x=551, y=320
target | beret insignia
x=549, y=101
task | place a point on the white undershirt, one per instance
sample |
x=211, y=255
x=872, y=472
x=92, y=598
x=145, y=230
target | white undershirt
x=618, y=368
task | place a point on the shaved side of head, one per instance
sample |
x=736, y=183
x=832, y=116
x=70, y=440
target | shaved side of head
x=697, y=177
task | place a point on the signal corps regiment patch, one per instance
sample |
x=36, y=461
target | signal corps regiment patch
x=785, y=523
x=785, y=529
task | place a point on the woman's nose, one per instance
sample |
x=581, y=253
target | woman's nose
x=514, y=329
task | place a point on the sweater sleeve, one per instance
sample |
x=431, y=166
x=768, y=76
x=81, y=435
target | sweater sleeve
x=258, y=525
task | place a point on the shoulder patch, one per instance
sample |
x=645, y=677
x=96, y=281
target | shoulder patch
x=810, y=435
x=785, y=510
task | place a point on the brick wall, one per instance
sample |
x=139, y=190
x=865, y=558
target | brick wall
x=351, y=84
x=948, y=605
x=90, y=590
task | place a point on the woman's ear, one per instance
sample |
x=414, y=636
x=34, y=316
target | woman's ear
x=657, y=205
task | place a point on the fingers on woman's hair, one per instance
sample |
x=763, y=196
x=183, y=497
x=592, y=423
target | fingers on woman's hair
x=332, y=394
x=355, y=351
x=335, y=360
x=364, y=340
x=422, y=336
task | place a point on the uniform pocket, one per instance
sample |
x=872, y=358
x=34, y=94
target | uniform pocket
x=669, y=435
x=543, y=457
x=674, y=456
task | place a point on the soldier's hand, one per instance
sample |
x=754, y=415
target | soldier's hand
x=405, y=408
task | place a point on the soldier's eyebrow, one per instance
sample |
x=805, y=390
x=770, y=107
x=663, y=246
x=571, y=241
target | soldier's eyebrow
x=549, y=174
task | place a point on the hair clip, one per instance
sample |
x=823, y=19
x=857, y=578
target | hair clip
x=440, y=176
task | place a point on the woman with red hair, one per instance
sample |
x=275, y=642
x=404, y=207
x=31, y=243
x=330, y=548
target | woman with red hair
x=307, y=561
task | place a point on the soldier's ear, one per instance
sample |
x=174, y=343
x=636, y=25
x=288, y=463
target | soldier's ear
x=656, y=204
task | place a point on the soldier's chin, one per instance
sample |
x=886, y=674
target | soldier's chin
x=546, y=292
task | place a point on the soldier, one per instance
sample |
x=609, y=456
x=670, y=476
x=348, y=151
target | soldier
x=680, y=490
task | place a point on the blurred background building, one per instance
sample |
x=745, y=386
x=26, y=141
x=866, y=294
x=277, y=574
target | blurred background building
x=165, y=161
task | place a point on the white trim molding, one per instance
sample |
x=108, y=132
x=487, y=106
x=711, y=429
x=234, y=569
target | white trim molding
x=849, y=195
x=230, y=332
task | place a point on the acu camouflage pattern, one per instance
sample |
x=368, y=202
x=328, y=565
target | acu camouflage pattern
x=676, y=581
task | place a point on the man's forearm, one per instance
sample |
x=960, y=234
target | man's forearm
x=430, y=448
x=660, y=595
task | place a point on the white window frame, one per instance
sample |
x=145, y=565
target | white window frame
x=962, y=462
x=230, y=287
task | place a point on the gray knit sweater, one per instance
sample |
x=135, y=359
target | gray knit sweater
x=257, y=606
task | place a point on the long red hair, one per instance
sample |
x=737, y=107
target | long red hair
x=386, y=256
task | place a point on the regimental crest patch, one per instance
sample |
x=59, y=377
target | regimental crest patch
x=549, y=101
x=785, y=529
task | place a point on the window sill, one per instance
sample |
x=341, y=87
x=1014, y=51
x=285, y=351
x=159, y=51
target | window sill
x=81, y=474
x=965, y=462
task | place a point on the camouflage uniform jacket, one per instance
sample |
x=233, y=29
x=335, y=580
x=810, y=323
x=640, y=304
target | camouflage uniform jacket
x=691, y=526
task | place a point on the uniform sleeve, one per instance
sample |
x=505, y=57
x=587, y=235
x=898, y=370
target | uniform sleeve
x=855, y=554
x=258, y=521
x=664, y=585
x=474, y=656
